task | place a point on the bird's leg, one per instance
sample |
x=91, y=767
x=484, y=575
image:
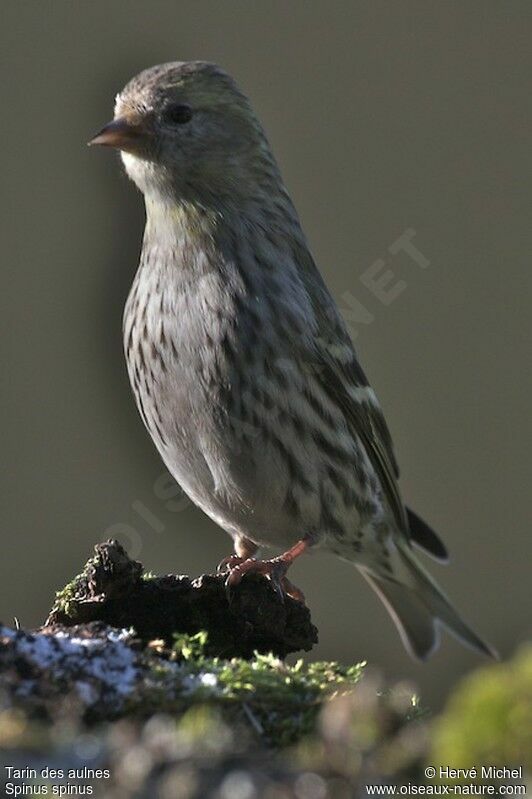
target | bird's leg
x=244, y=550
x=275, y=569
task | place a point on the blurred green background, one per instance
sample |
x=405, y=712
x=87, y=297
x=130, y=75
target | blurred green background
x=384, y=117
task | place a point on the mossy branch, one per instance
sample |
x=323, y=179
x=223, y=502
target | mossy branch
x=163, y=667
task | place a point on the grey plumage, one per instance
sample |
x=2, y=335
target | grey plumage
x=242, y=368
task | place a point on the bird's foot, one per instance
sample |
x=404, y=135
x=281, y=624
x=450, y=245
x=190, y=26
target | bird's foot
x=229, y=563
x=245, y=549
x=238, y=565
x=275, y=569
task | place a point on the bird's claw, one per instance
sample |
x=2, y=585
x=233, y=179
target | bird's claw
x=275, y=569
x=292, y=590
x=229, y=563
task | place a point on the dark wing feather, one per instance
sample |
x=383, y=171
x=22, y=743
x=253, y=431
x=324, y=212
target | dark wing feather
x=425, y=537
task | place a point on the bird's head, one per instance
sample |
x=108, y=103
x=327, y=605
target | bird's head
x=185, y=130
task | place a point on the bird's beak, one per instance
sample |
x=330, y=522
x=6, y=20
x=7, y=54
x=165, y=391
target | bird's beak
x=122, y=133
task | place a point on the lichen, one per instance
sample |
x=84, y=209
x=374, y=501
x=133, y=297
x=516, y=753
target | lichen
x=197, y=721
x=111, y=676
x=200, y=743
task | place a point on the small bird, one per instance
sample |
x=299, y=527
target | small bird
x=242, y=368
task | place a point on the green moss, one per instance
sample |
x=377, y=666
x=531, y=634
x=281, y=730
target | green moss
x=66, y=600
x=280, y=702
x=487, y=719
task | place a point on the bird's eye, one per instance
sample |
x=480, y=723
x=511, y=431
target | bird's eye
x=178, y=114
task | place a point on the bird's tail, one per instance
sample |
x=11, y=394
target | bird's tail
x=418, y=606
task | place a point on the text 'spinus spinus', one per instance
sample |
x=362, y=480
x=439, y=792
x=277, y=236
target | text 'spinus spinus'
x=241, y=366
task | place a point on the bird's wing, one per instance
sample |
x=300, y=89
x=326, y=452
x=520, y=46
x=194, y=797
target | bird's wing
x=365, y=418
x=342, y=379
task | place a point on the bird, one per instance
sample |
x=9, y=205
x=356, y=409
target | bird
x=243, y=370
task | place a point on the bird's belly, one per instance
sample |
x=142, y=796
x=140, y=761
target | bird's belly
x=245, y=445
x=254, y=476
x=231, y=473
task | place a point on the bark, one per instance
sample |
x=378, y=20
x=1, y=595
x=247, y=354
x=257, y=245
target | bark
x=113, y=590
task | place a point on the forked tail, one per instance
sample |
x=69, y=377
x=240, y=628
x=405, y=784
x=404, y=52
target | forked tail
x=418, y=606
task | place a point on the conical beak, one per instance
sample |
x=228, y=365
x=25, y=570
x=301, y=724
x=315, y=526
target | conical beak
x=125, y=134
